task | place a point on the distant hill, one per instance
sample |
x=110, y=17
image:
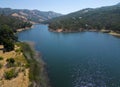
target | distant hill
x=13, y=22
x=29, y=15
x=100, y=18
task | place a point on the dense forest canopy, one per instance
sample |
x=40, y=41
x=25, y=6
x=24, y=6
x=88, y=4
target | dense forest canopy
x=100, y=18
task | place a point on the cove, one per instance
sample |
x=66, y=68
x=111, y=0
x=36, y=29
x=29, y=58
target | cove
x=83, y=59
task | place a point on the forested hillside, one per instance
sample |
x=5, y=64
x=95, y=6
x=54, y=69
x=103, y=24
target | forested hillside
x=8, y=27
x=107, y=18
x=13, y=22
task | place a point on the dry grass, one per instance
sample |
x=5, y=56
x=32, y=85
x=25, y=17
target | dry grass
x=22, y=80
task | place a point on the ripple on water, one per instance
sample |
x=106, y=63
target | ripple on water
x=89, y=74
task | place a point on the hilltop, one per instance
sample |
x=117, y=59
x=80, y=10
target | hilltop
x=29, y=15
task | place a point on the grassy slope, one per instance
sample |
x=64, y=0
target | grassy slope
x=20, y=66
x=26, y=59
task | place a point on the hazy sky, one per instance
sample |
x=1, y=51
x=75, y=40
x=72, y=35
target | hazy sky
x=60, y=6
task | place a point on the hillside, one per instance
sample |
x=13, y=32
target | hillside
x=29, y=15
x=107, y=18
x=13, y=22
x=22, y=66
x=8, y=27
x=19, y=63
x=14, y=71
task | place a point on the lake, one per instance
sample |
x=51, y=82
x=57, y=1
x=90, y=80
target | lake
x=83, y=59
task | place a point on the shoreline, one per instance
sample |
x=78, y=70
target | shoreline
x=115, y=34
x=111, y=32
x=26, y=28
x=38, y=72
x=65, y=31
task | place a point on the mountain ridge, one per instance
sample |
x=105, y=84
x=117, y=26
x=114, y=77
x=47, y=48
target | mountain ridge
x=30, y=15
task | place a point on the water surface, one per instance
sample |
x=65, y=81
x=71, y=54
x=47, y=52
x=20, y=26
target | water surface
x=84, y=59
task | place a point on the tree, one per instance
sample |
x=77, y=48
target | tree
x=7, y=37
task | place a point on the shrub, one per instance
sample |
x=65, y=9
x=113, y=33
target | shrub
x=10, y=62
x=10, y=74
x=18, y=50
x=1, y=58
x=27, y=65
x=8, y=45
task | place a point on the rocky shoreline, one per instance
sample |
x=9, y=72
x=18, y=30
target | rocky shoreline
x=81, y=30
x=26, y=28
